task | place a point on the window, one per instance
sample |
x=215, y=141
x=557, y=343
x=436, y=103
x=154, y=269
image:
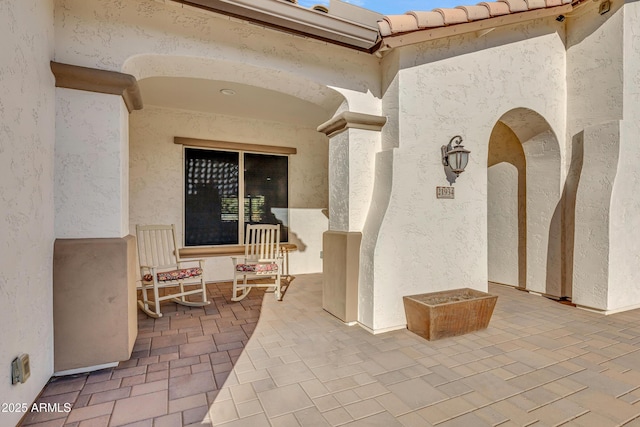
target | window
x=214, y=185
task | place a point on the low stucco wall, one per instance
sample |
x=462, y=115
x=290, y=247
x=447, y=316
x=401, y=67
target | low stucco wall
x=94, y=301
x=341, y=261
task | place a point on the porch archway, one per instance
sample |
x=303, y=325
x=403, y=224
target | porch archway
x=185, y=97
x=524, y=225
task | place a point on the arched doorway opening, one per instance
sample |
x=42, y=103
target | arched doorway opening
x=506, y=202
x=524, y=226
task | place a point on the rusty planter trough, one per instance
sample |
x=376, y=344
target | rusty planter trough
x=450, y=313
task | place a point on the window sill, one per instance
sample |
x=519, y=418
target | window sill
x=212, y=251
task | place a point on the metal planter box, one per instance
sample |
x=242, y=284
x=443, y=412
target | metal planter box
x=450, y=313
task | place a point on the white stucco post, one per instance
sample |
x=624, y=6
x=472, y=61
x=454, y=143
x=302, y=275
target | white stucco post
x=604, y=126
x=354, y=140
x=94, y=255
x=92, y=165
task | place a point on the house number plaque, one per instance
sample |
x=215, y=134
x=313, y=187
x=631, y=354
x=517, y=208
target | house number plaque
x=445, y=193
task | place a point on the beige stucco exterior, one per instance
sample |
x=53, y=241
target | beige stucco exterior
x=27, y=138
x=548, y=109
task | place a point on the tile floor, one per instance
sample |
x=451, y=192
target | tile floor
x=539, y=363
x=179, y=363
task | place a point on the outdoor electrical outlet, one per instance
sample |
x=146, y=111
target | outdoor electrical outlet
x=20, y=369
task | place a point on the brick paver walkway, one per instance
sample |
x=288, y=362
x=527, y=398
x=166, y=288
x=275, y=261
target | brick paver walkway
x=539, y=363
x=178, y=365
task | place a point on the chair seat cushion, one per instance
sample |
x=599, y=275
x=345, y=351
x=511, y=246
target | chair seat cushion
x=166, y=276
x=258, y=268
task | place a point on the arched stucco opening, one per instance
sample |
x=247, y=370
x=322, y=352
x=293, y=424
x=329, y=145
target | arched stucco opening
x=506, y=203
x=153, y=65
x=524, y=207
x=182, y=97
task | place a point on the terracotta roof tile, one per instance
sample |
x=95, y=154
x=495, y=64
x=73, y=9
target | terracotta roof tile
x=401, y=23
x=536, y=4
x=496, y=8
x=516, y=5
x=385, y=28
x=477, y=12
x=428, y=19
x=453, y=16
x=442, y=17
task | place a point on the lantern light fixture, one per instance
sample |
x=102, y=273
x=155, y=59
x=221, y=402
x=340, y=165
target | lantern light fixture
x=455, y=156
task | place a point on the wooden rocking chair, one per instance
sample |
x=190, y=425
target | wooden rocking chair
x=161, y=268
x=262, y=260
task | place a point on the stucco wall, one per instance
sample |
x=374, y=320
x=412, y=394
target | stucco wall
x=604, y=63
x=91, y=181
x=594, y=66
x=624, y=255
x=106, y=33
x=624, y=283
x=148, y=38
x=461, y=85
x=351, y=163
x=156, y=175
x=26, y=196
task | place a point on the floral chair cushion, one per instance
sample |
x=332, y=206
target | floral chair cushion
x=258, y=268
x=166, y=276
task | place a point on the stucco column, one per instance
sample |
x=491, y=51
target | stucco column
x=354, y=140
x=94, y=258
x=606, y=243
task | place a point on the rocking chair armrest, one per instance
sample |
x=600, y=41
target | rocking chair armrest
x=199, y=261
x=250, y=260
x=239, y=260
x=160, y=267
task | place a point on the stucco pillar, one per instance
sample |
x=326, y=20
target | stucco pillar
x=354, y=140
x=94, y=256
x=607, y=217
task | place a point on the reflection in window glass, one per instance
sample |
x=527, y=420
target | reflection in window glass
x=212, y=193
x=211, y=197
x=266, y=191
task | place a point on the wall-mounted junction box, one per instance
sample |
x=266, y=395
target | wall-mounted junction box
x=20, y=369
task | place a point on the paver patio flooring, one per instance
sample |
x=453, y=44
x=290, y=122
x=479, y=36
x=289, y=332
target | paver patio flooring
x=539, y=363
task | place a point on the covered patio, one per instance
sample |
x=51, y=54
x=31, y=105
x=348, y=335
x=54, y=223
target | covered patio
x=539, y=363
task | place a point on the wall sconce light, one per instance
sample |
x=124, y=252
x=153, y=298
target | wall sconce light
x=455, y=157
x=560, y=18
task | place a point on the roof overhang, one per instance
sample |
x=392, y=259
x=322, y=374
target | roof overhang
x=481, y=27
x=291, y=18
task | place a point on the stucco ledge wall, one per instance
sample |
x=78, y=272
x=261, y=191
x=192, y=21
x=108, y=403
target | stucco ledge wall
x=94, y=301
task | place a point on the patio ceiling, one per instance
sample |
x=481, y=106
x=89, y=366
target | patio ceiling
x=246, y=101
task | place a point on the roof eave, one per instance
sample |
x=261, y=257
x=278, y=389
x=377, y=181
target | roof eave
x=291, y=18
x=427, y=34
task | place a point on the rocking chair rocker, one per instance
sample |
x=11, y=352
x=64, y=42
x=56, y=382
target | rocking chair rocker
x=161, y=267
